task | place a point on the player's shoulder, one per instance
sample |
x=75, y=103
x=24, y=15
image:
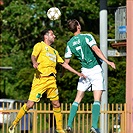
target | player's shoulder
x=39, y=43
x=55, y=51
x=86, y=34
x=70, y=41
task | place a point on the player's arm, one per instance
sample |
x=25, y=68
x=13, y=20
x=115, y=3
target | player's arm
x=34, y=61
x=68, y=67
x=67, y=61
x=63, y=69
x=101, y=55
x=35, y=53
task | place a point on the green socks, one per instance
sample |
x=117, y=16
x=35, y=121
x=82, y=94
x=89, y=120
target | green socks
x=95, y=114
x=72, y=114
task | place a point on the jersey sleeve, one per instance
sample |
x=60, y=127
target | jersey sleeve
x=59, y=59
x=36, y=49
x=90, y=40
x=68, y=53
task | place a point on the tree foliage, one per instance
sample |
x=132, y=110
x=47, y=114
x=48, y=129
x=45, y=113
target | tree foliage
x=22, y=23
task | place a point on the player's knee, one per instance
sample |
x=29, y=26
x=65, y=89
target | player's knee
x=56, y=104
x=29, y=104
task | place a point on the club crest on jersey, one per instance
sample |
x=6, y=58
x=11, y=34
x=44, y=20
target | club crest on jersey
x=46, y=48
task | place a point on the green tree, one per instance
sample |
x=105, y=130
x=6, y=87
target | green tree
x=22, y=23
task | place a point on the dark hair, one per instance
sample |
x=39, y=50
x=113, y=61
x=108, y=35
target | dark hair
x=72, y=25
x=44, y=32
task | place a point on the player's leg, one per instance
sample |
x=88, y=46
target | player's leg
x=83, y=85
x=74, y=108
x=52, y=93
x=97, y=87
x=96, y=107
x=23, y=110
x=96, y=111
x=58, y=116
x=35, y=95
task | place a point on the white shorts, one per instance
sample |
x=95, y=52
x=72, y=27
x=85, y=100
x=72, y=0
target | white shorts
x=94, y=79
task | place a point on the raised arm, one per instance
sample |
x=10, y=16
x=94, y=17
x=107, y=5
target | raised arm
x=63, y=69
x=68, y=67
x=100, y=55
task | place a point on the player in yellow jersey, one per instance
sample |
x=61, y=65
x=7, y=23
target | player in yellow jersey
x=44, y=59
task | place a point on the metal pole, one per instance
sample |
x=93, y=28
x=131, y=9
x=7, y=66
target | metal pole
x=103, y=47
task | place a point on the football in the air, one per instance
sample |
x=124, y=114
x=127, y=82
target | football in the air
x=53, y=13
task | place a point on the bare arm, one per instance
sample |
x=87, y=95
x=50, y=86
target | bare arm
x=100, y=55
x=67, y=61
x=68, y=67
x=34, y=62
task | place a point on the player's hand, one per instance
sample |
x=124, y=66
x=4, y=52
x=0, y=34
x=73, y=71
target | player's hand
x=112, y=64
x=35, y=65
x=81, y=75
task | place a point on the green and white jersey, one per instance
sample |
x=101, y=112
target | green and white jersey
x=80, y=45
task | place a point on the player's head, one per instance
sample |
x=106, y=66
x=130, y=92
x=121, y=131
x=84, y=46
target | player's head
x=73, y=25
x=45, y=32
x=48, y=36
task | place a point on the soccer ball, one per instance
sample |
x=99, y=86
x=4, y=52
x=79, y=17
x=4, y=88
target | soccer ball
x=53, y=13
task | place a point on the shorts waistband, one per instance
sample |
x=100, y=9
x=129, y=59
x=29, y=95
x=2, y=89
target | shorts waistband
x=52, y=74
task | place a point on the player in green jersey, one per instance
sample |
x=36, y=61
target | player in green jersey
x=84, y=47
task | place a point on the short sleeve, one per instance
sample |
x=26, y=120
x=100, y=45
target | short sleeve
x=90, y=40
x=36, y=49
x=68, y=53
x=59, y=59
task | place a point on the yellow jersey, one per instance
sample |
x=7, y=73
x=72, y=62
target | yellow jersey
x=47, y=57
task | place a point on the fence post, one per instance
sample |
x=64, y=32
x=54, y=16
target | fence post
x=35, y=121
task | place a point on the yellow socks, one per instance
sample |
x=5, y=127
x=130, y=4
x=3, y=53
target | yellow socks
x=20, y=114
x=58, y=117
